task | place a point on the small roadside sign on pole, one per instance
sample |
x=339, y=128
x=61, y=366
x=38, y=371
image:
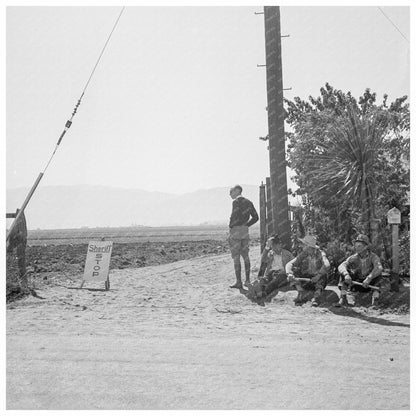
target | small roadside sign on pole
x=394, y=218
x=97, y=264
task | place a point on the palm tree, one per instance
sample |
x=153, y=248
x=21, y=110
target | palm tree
x=344, y=164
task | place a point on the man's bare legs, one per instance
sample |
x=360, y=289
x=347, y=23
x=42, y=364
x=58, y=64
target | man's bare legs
x=247, y=267
x=237, y=270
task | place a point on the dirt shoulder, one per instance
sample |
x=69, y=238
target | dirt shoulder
x=174, y=336
x=60, y=263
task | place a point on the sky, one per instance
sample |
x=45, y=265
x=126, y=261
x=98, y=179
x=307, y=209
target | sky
x=177, y=102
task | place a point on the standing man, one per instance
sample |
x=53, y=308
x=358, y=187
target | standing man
x=243, y=216
x=365, y=268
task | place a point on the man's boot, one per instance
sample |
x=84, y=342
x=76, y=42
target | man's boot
x=342, y=301
x=316, y=300
x=237, y=285
x=374, y=302
x=299, y=298
x=350, y=298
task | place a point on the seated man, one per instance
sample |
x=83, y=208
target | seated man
x=312, y=264
x=365, y=268
x=272, y=273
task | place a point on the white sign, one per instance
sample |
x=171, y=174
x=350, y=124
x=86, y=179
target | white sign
x=97, y=263
x=394, y=216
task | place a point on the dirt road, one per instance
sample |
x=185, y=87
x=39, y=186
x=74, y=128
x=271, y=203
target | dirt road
x=176, y=337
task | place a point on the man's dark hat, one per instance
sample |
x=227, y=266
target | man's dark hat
x=363, y=239
x=276, y=238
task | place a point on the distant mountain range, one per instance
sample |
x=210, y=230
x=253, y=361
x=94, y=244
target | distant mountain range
x=57, y=207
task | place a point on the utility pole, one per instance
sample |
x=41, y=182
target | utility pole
x=269, y=216
x=263, y=217
x=277, y=150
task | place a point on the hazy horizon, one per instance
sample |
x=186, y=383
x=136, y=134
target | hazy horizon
x=69, y=206
x=86, y=185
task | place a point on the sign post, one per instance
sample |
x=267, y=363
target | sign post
x=394, y=218
x=97, y=264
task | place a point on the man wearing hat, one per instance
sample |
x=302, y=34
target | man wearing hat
x=311, y=263
x=272, y=274
x=364, y=267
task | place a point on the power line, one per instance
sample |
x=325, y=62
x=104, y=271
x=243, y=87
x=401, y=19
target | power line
x=102, y=51
x=388, y=18
x=67, y=126
x=69, y=122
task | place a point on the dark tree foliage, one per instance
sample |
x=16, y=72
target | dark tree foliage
x=351, y=161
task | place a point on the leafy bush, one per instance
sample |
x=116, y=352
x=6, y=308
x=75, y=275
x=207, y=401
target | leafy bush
x=404, y=256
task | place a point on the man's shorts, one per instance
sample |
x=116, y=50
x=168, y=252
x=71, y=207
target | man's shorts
x=239, y=241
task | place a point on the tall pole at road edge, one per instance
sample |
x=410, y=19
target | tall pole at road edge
x=277, y=151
